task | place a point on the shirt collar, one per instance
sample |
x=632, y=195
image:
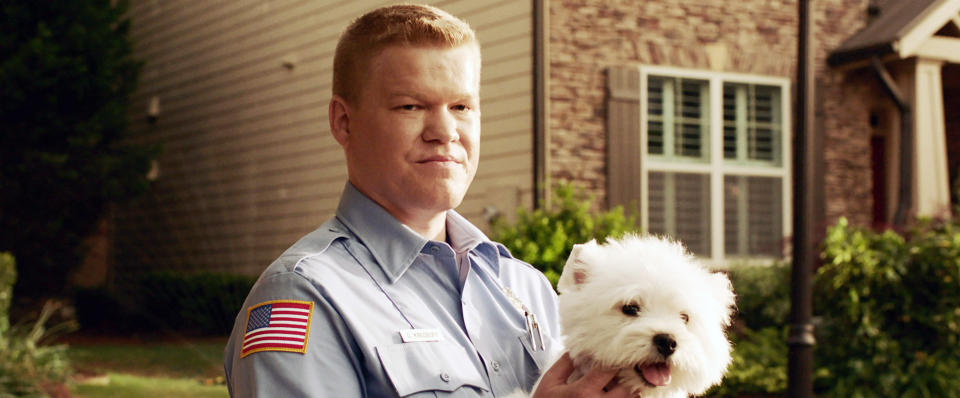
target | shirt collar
x=393, y=245
x=464, y=236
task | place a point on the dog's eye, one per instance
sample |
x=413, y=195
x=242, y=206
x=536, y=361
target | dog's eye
x=685, y=317
x=630, y=309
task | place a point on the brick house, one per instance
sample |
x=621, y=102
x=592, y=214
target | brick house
x=679, y=109
x=682, y=109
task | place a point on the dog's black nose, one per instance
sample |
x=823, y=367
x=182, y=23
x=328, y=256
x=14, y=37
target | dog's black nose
x=665, y=343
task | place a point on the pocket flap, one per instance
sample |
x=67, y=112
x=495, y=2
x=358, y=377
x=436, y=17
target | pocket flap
x=428, y=366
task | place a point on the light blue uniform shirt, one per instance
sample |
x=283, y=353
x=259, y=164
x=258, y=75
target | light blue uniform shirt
x=370, y=277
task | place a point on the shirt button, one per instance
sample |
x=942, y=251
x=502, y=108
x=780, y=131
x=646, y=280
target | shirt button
x=496, y=366
x=435, y=250
x=445, y=377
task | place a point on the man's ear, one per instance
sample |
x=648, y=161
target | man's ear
x=577, y=269
x=339, y=115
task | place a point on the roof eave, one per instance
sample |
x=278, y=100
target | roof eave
x=844, y=57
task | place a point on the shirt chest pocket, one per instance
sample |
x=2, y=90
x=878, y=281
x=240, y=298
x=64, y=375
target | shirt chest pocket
x=423, y=369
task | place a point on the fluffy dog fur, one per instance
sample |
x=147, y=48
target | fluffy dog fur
x=645, y=306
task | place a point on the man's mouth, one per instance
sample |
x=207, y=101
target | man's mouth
x=438, y=158
x=655, y=375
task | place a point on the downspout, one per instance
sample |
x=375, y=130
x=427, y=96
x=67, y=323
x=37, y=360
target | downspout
x=904, y=197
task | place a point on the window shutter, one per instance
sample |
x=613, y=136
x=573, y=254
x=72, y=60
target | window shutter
x=623, y=136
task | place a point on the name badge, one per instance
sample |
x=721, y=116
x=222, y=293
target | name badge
x=415, y=335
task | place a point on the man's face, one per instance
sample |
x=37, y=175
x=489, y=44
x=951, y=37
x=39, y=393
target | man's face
x=414, y=133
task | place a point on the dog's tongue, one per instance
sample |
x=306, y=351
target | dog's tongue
x=658, y=374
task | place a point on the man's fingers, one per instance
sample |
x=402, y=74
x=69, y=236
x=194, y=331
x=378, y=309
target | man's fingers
x=619, y=391
x=598, y=377
x=596, y=381
x=560, y=371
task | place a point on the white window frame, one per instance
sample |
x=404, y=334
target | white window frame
x=717, y=168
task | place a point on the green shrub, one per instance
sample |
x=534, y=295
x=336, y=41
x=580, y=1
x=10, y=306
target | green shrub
x=759, y=364
x=763, y=294
x=28, y=368
x=203, y=303
x=544, y=237
x=891, y=311
x=8, y=276
x=100, y=310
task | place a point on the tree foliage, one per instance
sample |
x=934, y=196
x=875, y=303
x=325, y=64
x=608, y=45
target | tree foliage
x=66, y=73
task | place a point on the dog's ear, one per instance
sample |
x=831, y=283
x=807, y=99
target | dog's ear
x=577, y=269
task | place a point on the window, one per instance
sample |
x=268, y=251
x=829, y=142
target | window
x=678, y=118
x=702, y=155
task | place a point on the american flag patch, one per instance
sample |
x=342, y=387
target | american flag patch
x=279, y=325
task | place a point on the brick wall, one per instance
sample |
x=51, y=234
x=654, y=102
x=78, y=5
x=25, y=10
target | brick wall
x=750, y=36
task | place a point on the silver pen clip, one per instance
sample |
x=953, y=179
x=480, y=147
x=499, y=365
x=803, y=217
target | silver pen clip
x=533, y=331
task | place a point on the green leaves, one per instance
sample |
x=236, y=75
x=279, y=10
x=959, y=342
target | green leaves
x=893, y=301
x=26, y=364
x=759, y=364
x=544, y=237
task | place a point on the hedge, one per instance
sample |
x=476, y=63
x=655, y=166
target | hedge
x=201, y=303
x=890, y=305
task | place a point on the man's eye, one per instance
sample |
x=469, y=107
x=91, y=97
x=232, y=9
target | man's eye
x=460, y=108
x=409, y=107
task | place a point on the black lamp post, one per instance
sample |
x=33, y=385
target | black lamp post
x=801, y=338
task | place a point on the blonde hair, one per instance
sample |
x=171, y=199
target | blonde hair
x=403, y=25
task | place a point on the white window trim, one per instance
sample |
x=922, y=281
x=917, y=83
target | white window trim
x=717, y=167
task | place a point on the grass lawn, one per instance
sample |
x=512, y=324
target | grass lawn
x=121, y=385
x=129, y=368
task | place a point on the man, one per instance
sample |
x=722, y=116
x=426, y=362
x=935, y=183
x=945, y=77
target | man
x=398, y=295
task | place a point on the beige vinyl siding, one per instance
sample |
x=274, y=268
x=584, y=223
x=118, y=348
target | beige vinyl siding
x=248, y=164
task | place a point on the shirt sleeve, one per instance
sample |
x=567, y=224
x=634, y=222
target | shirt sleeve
x=328, y=366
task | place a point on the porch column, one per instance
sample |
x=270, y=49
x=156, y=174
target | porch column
x=931, y=182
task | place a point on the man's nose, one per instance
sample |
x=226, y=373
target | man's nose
x=441, y=125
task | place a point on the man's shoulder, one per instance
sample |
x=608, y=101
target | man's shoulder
x=317, y=249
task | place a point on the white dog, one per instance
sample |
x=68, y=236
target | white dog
x=645, y=306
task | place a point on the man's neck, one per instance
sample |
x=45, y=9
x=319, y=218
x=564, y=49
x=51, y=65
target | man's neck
x=433, y=228
x=429, y=224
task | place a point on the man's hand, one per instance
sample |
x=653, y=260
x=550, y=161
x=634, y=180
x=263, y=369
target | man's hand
x=596, y=383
